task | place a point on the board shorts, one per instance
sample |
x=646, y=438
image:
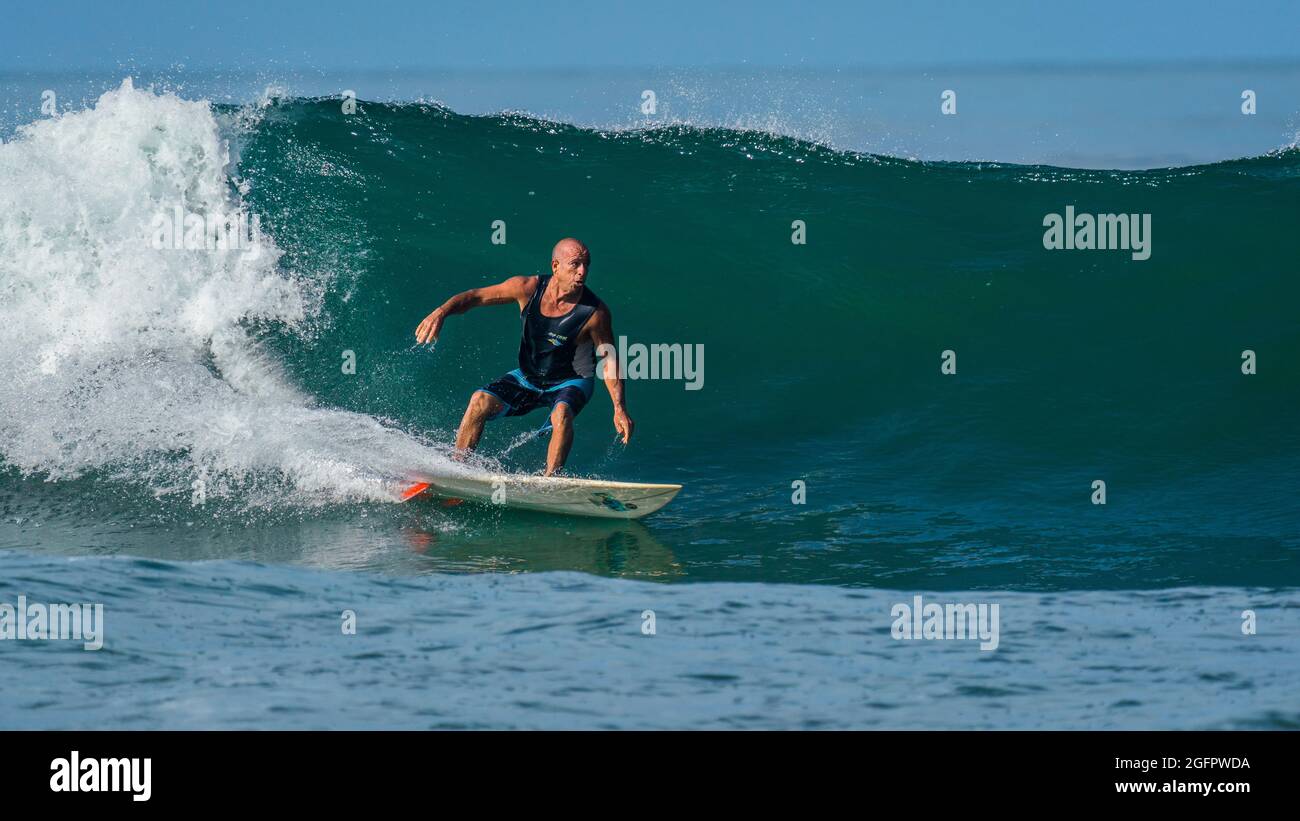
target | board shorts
x=519, y=396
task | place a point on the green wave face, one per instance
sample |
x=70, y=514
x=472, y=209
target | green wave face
x=816, y=354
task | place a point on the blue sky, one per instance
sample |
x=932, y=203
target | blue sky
x=55, y=35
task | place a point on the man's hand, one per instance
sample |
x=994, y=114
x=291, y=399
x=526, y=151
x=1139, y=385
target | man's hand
x=430, y=327
x=623, y=424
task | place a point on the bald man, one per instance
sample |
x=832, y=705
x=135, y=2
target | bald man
x=564, y=323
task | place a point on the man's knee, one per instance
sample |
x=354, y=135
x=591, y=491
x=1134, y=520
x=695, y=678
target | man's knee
x=482, y=405
x=561, y=415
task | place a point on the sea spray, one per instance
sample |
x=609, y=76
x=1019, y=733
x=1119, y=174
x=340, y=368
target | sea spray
x=147, y=361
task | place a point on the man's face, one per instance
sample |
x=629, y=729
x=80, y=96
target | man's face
x=570, y=267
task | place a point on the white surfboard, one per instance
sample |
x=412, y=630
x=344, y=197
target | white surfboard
x=552, y=494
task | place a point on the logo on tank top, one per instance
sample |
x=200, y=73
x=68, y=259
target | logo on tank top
x=555, y=339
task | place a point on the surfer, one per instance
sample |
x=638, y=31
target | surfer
x=564, y=323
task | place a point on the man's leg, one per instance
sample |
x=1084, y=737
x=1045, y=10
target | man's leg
x=561, y=437
x=482, y=407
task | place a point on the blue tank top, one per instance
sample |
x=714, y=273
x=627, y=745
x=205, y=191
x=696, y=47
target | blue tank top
x=549, y=352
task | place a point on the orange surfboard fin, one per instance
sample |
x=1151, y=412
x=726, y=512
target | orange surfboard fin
x=414, y=490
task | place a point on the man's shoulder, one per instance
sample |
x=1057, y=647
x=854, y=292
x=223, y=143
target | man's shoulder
x=599, y=310
x=525, y=285
x=597, y=304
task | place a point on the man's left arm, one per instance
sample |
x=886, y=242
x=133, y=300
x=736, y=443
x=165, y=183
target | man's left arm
x=602, y=337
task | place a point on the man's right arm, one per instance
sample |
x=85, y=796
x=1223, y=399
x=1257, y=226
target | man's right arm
x=515, y=289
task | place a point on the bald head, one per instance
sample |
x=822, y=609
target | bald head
x=570, y=260
x=567, y=248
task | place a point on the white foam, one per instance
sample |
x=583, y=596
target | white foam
x=139, y=362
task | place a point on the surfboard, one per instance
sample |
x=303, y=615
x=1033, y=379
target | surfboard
x=550, y=494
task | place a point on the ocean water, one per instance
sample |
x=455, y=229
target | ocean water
x=181, y=442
